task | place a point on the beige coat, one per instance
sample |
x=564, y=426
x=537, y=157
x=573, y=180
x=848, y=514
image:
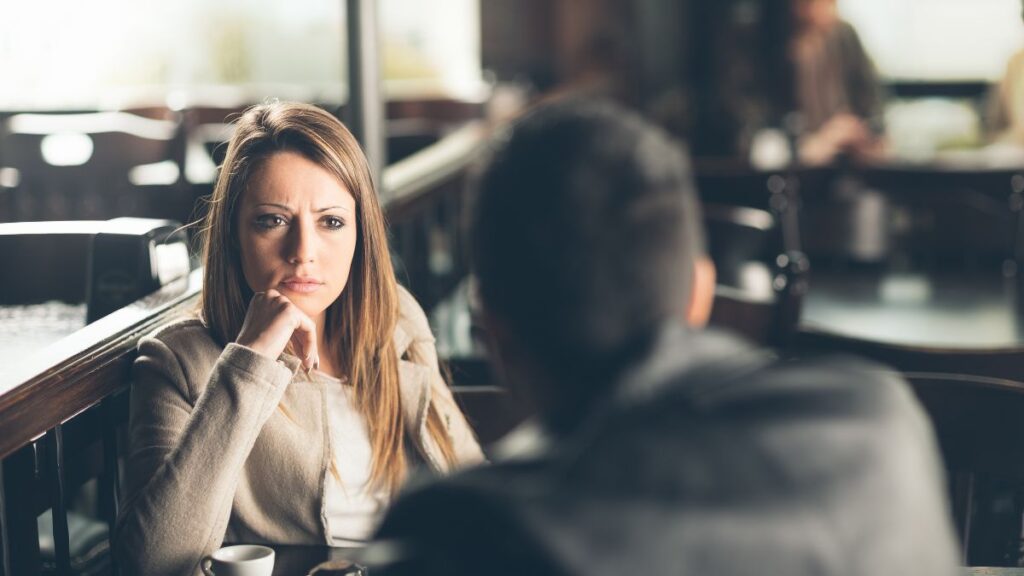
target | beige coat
x=229, y=445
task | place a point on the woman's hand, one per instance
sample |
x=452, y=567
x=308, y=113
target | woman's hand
x=272, y=321
x=842, y=133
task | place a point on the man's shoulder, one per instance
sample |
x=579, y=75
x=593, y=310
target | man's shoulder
x=793, y=445
x=744, y=420
x=825, y=385
x=710, y=380
x=478, y=491
x=472, y=522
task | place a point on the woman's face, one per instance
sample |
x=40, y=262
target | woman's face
x=297, y=232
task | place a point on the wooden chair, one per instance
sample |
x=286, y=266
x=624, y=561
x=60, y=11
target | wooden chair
x=104, y=263
x=51, y=260
x=95, y=165
x=975, y=399
x=776, y=192
x=760, y=284
x=925, y=217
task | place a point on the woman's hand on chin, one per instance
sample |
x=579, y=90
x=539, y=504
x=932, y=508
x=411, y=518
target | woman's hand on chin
x=272, y=321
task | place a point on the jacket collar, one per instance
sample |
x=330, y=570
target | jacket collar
x=402, y=338
x=413, y=383
x=678, y=354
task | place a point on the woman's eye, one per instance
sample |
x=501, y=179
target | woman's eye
x=269, y=221
x=333, y=222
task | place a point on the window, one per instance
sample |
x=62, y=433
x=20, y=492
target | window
x=67, y=54
x=938, y=40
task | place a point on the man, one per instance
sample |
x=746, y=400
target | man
x=667, y=449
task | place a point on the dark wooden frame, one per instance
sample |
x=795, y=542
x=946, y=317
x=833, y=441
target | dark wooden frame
x=766, y=320
x=73, y=384
x=975, y=400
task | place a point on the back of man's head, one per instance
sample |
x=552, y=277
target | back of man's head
x=585, y=234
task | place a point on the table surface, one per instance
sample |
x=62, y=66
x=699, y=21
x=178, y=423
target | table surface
x=970, y=309
x=300, y=560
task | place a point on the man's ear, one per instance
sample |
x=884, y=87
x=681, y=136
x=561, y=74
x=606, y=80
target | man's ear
x=702, y=294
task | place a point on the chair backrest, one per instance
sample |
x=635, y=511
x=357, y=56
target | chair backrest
x=45, y=260
x=760, y=284
x=979, y=421
x=975, y=400
x=778, y=192
x=105, y=262
x=78, y=165
x=932, y=216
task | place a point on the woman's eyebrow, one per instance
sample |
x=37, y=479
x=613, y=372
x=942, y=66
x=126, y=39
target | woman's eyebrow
x=318, y=210
x=338, y=207
x=282, y=206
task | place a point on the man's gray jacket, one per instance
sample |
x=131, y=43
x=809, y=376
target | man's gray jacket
x=709, y=459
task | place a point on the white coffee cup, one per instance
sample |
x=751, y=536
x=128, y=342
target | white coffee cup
x=243, y=560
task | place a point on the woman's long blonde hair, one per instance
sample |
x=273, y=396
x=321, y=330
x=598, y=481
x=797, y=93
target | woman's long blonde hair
x=360, y=324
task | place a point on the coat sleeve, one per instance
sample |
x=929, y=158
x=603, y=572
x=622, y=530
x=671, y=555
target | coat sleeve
x=185, y=460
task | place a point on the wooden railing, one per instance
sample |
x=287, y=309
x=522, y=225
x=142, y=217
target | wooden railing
x=61, y=409
x=60, y=406
x=425, y=201
x=53, y=385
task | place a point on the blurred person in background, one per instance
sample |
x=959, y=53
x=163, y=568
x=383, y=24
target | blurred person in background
x=1005, y=119
x=661, y=447
x=837, y=92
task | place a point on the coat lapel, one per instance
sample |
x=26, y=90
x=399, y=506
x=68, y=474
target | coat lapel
x=414, y=389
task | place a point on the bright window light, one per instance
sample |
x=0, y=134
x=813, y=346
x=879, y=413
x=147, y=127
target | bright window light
x=117, y=53
x=938, y=39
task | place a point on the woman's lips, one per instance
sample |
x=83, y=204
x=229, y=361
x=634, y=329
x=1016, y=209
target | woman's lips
x=301, y=286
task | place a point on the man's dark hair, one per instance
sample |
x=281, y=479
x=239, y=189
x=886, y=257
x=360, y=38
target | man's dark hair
x=584, y=234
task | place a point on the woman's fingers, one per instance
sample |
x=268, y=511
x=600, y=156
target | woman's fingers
x=304, y=336
x=272, y=321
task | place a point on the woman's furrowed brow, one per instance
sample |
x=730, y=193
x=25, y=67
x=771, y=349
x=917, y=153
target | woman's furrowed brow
x=335, y=207
x=275, y=205
x=317, y=210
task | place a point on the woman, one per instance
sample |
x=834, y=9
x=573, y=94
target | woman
x=291, y=409
x=1005, y=114
x=837, y=89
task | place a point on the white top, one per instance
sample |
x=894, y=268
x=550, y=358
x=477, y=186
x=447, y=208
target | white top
x=352, y=509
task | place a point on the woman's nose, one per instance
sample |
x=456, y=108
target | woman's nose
x=303, y=244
